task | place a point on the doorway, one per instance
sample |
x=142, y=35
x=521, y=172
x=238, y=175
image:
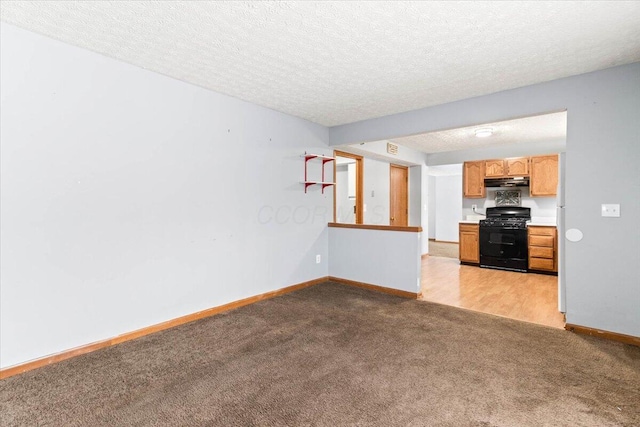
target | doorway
x=348, y=194
x=399, y=196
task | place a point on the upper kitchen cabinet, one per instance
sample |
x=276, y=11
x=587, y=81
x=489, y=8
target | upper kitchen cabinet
x=494, y=168
x=517, y=167
x=473, y=179
x=544, y=176
x=506, y=167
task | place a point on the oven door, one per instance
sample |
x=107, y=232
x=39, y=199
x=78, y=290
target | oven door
x=503, y=248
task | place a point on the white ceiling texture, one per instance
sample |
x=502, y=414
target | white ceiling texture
x=542, y=128
x=339, y=62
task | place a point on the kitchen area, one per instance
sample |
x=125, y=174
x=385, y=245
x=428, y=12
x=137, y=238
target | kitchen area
x=489, y=198
x=509, y=256
x=517, y=228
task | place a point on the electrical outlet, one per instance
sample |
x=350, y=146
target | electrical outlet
x=318, y=259
x=474, y=207
x=612, y=210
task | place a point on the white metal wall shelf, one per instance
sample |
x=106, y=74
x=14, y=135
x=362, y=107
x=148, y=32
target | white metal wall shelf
x=322, y=182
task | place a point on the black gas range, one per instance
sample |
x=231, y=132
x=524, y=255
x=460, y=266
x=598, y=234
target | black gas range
x=503, y=238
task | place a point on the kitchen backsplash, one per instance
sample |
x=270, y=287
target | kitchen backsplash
x=543, y=209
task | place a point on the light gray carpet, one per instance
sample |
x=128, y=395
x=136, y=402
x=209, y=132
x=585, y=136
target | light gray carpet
x=334, y=355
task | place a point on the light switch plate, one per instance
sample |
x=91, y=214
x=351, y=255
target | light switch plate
x=610, y=210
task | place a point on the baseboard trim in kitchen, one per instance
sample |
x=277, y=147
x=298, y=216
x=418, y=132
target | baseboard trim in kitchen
x=88, y=348
x=614, y=336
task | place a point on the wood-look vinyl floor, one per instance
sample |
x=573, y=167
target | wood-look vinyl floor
x=523, y=296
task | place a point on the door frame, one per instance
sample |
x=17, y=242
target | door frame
x=359, y=184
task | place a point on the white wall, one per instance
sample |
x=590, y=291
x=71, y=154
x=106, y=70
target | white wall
x=425, y=196
x=543, y=209
x=448, y=207
x=129, y=198
x=432, y=206
x=344, y=204
x=445, y=202
x=377, y=183
x=384, y=258
x=602, y=158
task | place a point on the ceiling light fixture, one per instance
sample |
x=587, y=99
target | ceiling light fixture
x=484, y=132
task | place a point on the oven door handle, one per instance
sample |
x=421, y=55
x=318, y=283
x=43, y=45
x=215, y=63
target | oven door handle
x=501, y=243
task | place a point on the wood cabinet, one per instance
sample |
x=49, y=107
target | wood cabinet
x=542, y=170
x=499, y=168
x=517, y=167
x=473, y=179
x=469, y=243
x=494, y=168
x=544, y=176
x=543, y=248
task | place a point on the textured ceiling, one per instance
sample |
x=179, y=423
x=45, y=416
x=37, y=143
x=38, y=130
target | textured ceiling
x=340, y=62
x=547, y=127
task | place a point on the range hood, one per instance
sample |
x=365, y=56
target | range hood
x=515, y=181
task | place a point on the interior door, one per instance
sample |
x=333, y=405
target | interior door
x=399, y=189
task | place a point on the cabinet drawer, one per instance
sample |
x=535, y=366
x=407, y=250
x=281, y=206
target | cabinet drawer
x=545, y=241
x=542, y=231
x=540, y=264
x=540, y=252
x=469, y=227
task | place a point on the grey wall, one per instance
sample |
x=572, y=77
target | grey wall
x=521, y=149
x=129, y=198
x=415, y=196
x=377, y=198
x=384, y=258
x=602, y=158
x=378, y=150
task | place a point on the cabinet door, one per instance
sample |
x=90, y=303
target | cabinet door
x=494, y=168
x=473, y=179
x=544, y=176
x=469, y=247
x=518, y=167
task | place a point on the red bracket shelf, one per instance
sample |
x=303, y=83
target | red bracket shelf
x=323, y=183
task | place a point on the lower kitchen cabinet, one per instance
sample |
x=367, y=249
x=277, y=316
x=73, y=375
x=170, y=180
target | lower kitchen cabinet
x=543, y=249
x=469, y=243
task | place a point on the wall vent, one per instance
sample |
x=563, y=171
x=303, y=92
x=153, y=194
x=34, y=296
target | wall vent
x=392, y=148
